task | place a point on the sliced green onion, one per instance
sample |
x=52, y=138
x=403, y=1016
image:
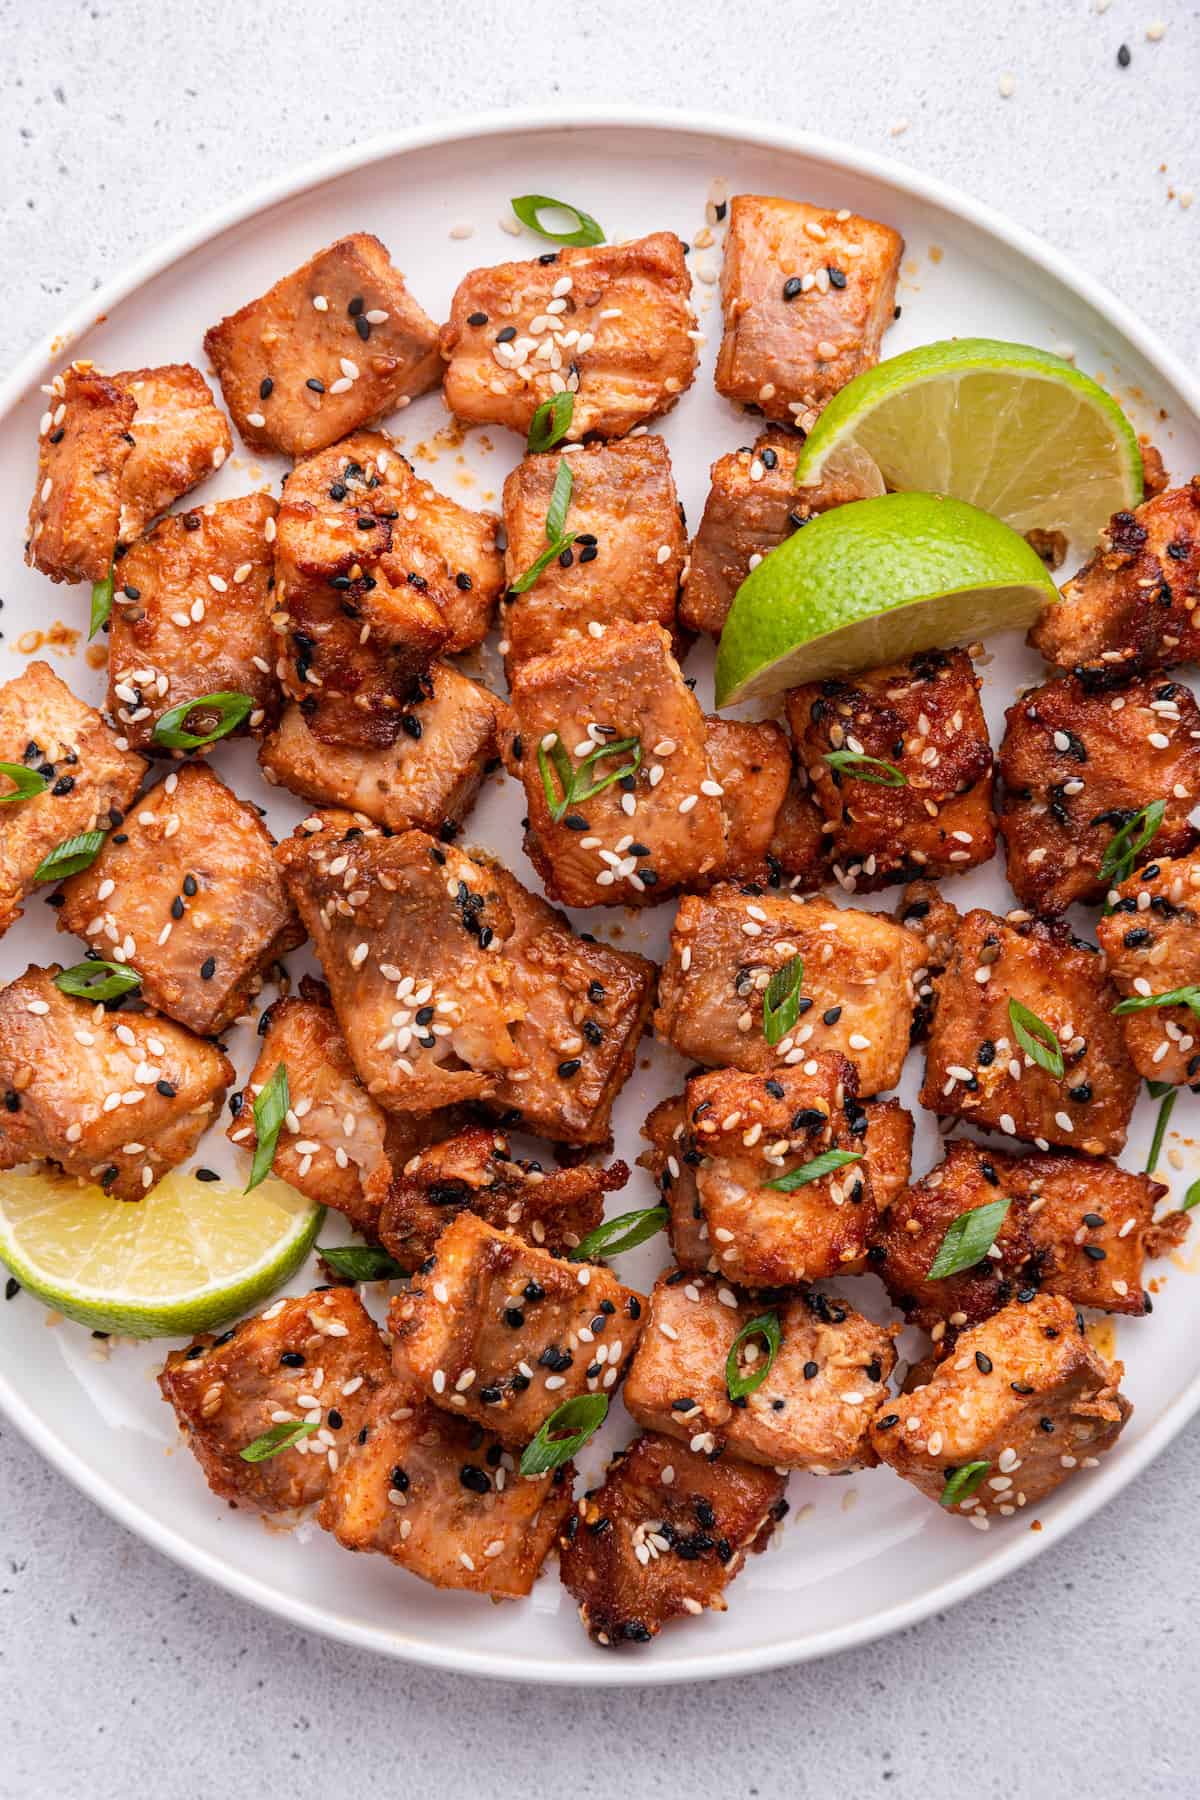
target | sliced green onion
x=26, y=782
x=70, y=857
x=781, y=1001
x=550, y=423
x=102, y=599
x=279, y=1437
x=621, y=1233
x=528, y=206
x=1036, y=1038
x=1126, y=845
x=1184, y=996
x=618, y=747
x=361, y=1262
x=855, y=764
x=580, y=1417
x=825, y=1164
x=560, y=500
x=1165, y=1110
x=739, y=1382
x=540, y=564
x=270, y=1110
x=573, y=785
x=230, y=709
x=962, y=1482
x=1191, y=1198
x=968, y=1239
x=97, y=980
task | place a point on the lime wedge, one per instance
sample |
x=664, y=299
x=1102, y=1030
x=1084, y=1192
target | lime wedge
x=188, y=1256
x=1010, y=428
x=872, y=582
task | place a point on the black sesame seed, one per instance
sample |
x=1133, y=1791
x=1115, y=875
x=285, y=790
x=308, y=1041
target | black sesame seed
x=189, y=885
x=514, y=1318
x=335, y=1418
x=811, y=1370
x=983, y=1363
x=837, y=278
x=506, y=335
x=166, y=1089
x=1124, y=57
x=832, y=1016
x=207, y=1175
x=177, y=907
x=208, y=968
x=475, y=1478
x=588, y=553
x=292, y=1359
x=266, y=388
x=463, y=581
x=318, y=387
x=1096, y=1252
x=569, y=1068
x=12, y=1288
x=399, y=1480
x=363, y=327
x=477, y=318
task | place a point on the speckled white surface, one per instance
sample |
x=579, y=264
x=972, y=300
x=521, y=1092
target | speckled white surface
x=119, y=123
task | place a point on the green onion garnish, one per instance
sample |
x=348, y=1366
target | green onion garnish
x=26, y=782
x=855, y=764
x=1160, y=1124
x=230, y=710
x=524, y=582
x=70, y=857
x=968, y=1239
x=361, y=1262
x=1036, y=1038
x=528, y=206
x=1191, y=1198
x=550, y=423
x=1126, y=845
x=102, y=599
x=279, y=1437
x=97, y=980
x=573, y=780
x=825, y=1164
x=580, y=1417
x=270, y=1110
x=1184, y=996
x=781, y=1001
x=621, y=1233
x=739, y=1382
x=962, y=1482
x=560, y=499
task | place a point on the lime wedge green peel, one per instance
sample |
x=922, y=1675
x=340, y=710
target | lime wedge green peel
x=871, y=582
x=1009, y=428
x=191, y=1255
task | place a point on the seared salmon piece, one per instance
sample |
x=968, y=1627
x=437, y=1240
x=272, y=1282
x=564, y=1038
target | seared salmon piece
x=899, y=762
x=91, y=776
x=188, y=894
x=1152, y=946
x=752, y=765
x=612, y=324
x=115, y=1097
x=504, y=1333
x=1025, y=1394
x=84, y=443
x=628, y=554
x=336, y=343
x=976, y=1068
x=663, y=1536
x=444, y=1499
x=192, y=616
x=1132, y=607
x=428, y=777
x=180, y=435
x=409, y=933
x=315, y=1358
x=807, y=295
x=1078, y=763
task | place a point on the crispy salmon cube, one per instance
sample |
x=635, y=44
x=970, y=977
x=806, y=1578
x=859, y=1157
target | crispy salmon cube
x=922, y=718
x=408, y=932
x=114, y=1098
x=663, y=1537
x=584, y=1008
x=612, y=324
x=628, y=553
x=91, y=776
x=334, y=344
x=1077, y=765
x=1025, y=1393
x=665, y=815
x=187, y=893
x=180, y=436
x=933, y=921
x=442, y=1498
x=428, y=777
x=753, y=505
x=856, y=997
x=376, y=574
x=1132, y=607
x=752, y=765
x=752, y=1132
x=814, y=1409
x=1151, y=946
x=475, y=1171
x=1076, y=1226
x=797, y=857
x=83, y=447
x=191, y=616
x=316, y=1358
x=504, y=1333
x=335, y=1148
x=807, y=295
x=975, y=1067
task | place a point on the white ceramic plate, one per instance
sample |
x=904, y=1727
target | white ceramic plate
x=859, y=1556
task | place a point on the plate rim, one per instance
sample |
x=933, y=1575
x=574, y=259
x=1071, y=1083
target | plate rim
x=50, y=348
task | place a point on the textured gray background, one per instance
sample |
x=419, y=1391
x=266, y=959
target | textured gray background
x=120, y=123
